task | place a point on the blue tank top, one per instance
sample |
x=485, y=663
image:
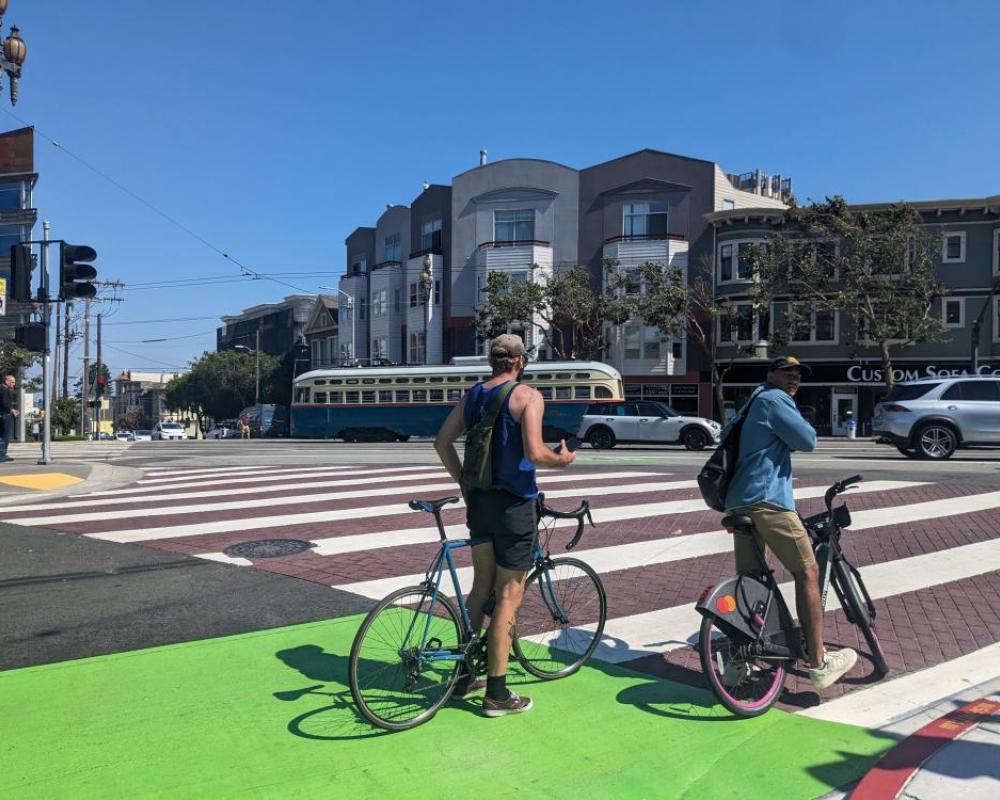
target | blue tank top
x=512, y=472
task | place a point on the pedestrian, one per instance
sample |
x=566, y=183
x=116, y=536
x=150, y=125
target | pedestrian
x=503, y=517
x=761, y=488
x=8, y=413
x=244, y=426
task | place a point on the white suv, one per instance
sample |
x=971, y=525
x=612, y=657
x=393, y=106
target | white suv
x=643, y=421
x=169, y=430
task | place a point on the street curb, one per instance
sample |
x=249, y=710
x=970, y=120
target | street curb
x=102, y=477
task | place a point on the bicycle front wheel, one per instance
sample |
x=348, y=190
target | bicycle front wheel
x=855, y=603
x=395, y=680
x=561, y=618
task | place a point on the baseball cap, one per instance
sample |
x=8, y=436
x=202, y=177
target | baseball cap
x=788, y=362
x=507, y=345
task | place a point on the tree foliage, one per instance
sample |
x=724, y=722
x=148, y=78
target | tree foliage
x=65, y=414
x=220, y=385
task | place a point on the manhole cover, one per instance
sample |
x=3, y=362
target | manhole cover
x=267, y=548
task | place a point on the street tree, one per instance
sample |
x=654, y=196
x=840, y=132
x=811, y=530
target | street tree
x=129, y=420
x=873, y=266
x=224, y=383
x=65, y=414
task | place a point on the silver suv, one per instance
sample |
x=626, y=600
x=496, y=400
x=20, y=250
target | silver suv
x=933, y=417
x=644, y=422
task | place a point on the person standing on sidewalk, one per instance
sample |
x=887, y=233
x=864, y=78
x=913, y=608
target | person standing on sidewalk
x=761, y=489
x=8, y=413
x=502, y=520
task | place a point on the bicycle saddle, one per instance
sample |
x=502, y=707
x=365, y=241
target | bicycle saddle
x=431, y=505
x=737, y=521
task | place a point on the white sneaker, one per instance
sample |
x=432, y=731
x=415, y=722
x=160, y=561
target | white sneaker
x=837, y=664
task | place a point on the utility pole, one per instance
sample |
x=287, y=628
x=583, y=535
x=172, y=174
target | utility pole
x=66, y=341
x=99, y=373
x=57, y=353
x=48, y=376
x=85, y=380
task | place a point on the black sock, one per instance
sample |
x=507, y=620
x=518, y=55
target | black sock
x=496, y=687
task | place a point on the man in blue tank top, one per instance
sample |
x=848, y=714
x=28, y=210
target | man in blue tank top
x=502, y=520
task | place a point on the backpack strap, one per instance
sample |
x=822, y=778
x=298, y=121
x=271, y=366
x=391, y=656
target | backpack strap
x=490, y=417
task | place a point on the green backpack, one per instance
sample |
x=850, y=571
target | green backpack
x=477, y=466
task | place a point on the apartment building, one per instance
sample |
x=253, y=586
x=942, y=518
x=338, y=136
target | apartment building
x=847, y=371
x=277, y=326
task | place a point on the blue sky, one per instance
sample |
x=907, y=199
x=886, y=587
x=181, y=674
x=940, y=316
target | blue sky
x=273, y=129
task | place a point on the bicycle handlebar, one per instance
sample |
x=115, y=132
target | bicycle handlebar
x=579, y=513
x=839, y=487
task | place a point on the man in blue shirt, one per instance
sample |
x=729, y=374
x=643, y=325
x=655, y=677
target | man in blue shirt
x=761, y=489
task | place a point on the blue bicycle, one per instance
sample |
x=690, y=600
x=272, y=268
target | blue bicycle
x=408, y=653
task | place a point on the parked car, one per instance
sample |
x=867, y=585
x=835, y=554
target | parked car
x=267, y=419
x=124, y=436
x=607, y=424
x=933, y=417
x=165, y=431
x=102, y=436
x=227, y=429
x=141, y=436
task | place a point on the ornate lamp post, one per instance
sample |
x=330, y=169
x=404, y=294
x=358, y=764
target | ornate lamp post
x=15, y=51
x=426, y=288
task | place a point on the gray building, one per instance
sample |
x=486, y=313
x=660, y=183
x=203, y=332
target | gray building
x=279, y=326
x=847, y=370
x=387, y=312
x=321, y=333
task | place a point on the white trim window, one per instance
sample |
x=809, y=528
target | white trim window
x=316, y=352
x=953, y=312
x=395, y=300
x=651, y=343
x=380, y=348
x=414, y=295
x=747, y=328
x=379, y=303
x=417, y=347
x=953, y=247
x=727, y=204
x=644, y=219
x=821, y=327
x=734, y=267
x=514, y=225
x=331, y=350
x=430, y=235
x=632, y=341
x=390, y=248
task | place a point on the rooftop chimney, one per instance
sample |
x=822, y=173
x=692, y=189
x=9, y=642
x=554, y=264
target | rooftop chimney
x=482, y=158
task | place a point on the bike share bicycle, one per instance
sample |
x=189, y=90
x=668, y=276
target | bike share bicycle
x=748, y=639
x=408, y=653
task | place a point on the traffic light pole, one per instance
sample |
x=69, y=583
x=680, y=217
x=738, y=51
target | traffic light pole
x=47, y=377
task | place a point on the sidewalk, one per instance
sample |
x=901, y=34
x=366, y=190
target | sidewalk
x=24, y=479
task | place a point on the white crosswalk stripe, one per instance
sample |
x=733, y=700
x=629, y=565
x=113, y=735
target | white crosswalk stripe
x=244, y=503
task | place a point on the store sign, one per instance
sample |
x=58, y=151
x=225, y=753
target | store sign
x=860, y=374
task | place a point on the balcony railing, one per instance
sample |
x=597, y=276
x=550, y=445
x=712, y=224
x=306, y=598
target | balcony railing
x=646, y=237
x=515, y=243
x=434, y=250
x=382, y=264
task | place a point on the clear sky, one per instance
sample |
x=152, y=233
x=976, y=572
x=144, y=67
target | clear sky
x=273, y=129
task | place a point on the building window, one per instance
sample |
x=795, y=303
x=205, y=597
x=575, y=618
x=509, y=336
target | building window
x=359, y=265
x=395, y=300
x=362, y=306
x=316, y=352
x=725, y=263
x=728, y=205
x=437, y=292
x=996, y=252
x=632, y=333
x=516, y=225
x=430, y=235
x=747, y=327
x=814, y=326
x=416, y=348
x=414, y=294
x=378, y=302
x=953, y=248
x=651, y=343
x=953, y=312
x=390, y=248
x=644, y=219
x=380, y=349
x=331, y=349
x=734, y=264
x=677, y=349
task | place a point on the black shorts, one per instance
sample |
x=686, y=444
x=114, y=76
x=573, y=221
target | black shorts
x=509, y=521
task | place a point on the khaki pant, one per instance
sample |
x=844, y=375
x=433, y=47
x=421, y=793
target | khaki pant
x=780, y=530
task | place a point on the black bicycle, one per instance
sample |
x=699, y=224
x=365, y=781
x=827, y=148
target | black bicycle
x=748, y=637
x=407, y=654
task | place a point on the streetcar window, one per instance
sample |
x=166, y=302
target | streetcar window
x=368, y=397
x=336, y=397
x=385, y=380
x=582, y=376
x=528, y=377
x=454, y=379
x=603, y=391
x=563, y=376
x=320, y=397
x=420, y=380
x=402, y=380
x=402, y=395
x=320, y=383
x=581, y=392
x=351, y=381
x=544, y=376
x=385, y=395
x=564, y=392
x=335, y=381
x=454, y=394
x=368, y=380
x=546, y=392
x=419, y=395
x=437, y=379
x=471, y=379
x=350, y=397
x=437, y=395
x=302, y=394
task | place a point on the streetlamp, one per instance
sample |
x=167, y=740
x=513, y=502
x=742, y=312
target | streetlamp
x=244, y=349
x=426, y=284
x=350, y=306
x=15, y=51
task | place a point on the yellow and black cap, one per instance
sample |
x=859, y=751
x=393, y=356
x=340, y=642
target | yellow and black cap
x=788, y=362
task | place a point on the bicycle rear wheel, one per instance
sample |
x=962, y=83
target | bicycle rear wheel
x=393, y=682
x=745, y=685
x=561, y=618
x=858, y=608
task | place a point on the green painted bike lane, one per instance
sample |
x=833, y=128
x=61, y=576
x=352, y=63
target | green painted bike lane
x=269, y=714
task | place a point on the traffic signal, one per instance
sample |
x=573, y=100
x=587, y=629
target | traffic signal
x=74, y=273
x=31, y=336
x=100, y=386
x=20, y=273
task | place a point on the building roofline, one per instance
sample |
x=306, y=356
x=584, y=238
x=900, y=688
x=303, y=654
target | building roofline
x=506, y=160
x=985, y=204
x=649, y=150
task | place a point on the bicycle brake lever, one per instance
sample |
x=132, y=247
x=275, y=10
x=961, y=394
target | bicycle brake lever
x=590, y=519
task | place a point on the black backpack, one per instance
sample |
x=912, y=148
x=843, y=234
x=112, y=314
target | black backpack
x=477, y=464
x=717, y=474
